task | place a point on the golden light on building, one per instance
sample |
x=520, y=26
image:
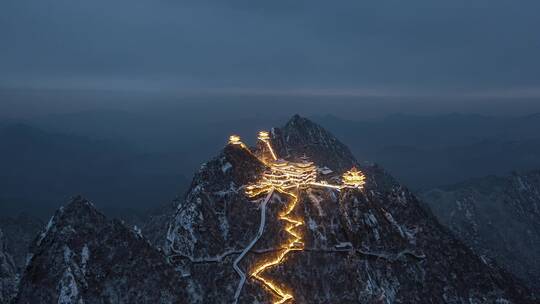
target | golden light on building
x=286, y=175
x=354, y=178
x=234, y=140
x=264, y=135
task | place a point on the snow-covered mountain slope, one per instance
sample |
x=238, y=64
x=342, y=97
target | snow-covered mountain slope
x=154, y=226
x=82, y=257
x=376, y=245
x=499, y=217
x=8, y=273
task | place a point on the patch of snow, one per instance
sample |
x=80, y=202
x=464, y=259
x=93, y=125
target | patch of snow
x=29, y=258
x=194, y=292
x=226, y=167
x=344, y=246
x=68, y=289
x=46, y=231
x=468, y=214
x=522, y=186
x=402, y=198
x=85, y=256
x=170, y=235
x=224, y=226
x=324, y=170
x=312, y=224
x=392, y=221
x=316, y=200
x=410, y=233
x=376, y=234
x=138, y=231
x=370, y=220
x=188, y=214
x=333, y=195
x=67, y=254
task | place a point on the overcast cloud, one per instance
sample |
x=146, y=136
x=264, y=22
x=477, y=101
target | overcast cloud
x=379, y=47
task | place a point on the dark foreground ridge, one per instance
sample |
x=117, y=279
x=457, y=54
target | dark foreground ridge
x=81, y=257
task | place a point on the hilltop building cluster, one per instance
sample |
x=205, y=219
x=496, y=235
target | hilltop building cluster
x=284, y=174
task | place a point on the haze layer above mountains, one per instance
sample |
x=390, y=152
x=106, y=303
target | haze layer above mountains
x=141, y=158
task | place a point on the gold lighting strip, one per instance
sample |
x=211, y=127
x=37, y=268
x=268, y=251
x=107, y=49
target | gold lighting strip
x=295, y=244
x=264, y=136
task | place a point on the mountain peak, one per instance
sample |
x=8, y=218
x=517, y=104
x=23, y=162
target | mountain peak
x=297, y=119
x=81, y=256
x=80, y=210
x=78, y=203
x=301, y=136
x=79, y=214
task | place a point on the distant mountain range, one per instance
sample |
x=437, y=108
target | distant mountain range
x=40, y=169
x=499, y=217
x=110, y=154
x=428, y=151
x=421, y=151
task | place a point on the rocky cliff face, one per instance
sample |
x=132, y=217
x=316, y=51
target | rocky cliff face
x=8, y=273
x=155, y=225
x=82, y=257
x=376, y=245
x=499, y=217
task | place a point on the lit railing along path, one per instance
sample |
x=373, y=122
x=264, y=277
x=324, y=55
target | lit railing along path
x=292, y=245
x=248, y=248
x=264, y=136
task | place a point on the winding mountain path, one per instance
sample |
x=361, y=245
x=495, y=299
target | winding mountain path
x=248, y=248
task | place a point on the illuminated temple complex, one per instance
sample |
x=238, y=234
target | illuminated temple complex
x=283, y=174
x=354, y=178
x=286, y=174
x=288, y=178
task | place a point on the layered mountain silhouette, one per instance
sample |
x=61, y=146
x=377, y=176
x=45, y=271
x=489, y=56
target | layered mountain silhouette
x=82, y=257
x=498, y=216
x=371, y=245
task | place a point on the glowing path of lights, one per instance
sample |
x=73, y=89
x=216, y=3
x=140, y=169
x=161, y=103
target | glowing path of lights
x=283, y=176
x=248, y=248
x=294, y=245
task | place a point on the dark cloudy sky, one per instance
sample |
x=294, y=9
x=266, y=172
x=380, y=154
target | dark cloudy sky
x=472, y=47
